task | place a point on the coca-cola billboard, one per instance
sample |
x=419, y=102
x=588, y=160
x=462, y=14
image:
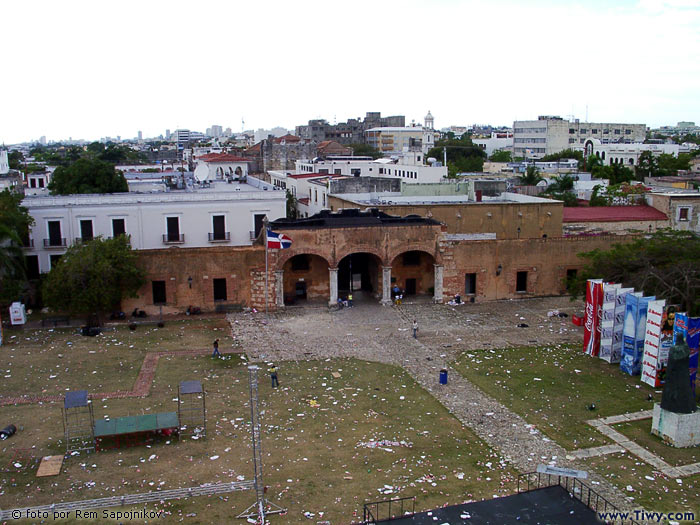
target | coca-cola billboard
x=591, y=323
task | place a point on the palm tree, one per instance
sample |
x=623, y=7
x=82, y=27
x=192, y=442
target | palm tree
x=531, y=177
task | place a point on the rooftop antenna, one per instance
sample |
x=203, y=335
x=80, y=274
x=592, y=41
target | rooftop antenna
x=242, y=124
x=586, y=112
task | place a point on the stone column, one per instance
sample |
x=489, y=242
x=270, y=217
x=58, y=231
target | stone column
x=279, y=288
x=437, y=295
x=386, y=285
x=333, y=279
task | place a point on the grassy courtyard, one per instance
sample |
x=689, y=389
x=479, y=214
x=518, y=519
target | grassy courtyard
x=318, y=431
x=553, y=386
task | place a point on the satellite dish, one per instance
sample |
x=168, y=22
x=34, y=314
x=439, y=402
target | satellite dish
x=201, y=173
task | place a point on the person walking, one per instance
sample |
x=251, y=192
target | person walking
x=216, y=349
x=349, y=300
x=273, y=375
x=415, y=329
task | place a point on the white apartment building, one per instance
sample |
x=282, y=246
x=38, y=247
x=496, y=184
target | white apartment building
x=496, y=142
x=533, y=139
x=628, y=154
x=229, y=214
x=409, y=166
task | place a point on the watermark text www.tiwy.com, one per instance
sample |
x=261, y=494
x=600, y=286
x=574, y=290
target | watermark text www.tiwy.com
x=645, y=515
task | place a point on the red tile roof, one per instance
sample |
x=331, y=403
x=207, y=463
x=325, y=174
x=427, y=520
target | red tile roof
x=612, y=214
x=287, y=138
x=222, y=157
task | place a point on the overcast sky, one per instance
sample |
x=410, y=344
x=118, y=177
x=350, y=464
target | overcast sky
x=106, y=68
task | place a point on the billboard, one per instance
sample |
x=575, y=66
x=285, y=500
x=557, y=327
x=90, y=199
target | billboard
x=657, y=342
x=607, y=320
x=594, y=303
x=619, y=322
x=633, y=333
x=689, y=327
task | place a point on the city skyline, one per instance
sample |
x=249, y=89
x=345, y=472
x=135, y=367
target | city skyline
x=68, y=74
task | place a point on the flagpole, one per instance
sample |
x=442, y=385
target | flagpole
x=266, y=272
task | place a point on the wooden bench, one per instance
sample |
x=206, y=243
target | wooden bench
x=55, y=320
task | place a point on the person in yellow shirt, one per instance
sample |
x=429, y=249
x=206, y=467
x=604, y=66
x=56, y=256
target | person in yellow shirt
x=273, y=375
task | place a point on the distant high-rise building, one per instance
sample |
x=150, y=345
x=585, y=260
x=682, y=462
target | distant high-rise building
x=216, y=131
x=167, y=134
x=4, y=162
x=42, y=140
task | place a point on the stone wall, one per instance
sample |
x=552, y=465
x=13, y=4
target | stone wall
x=502, y=219
x=546, y=262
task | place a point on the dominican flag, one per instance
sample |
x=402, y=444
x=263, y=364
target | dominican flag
x=278, y=240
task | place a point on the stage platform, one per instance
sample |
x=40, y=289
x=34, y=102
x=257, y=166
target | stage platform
x=545, y=506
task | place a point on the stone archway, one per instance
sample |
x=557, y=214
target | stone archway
x=413, y=272
x=304, y=278
x=359, y=274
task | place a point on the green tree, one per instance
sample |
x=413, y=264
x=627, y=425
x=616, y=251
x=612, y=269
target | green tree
x=669, y=165
x=664, y=264
x=87, y=176
x=501, y=155
x=15, y=159
x=591, y=163
x=92, y=278
x=365, y=150
x=615, y=173
x=564, y=154
x=531, y=178
x=95, y=148
x=647, y=165
x=462, y=155
x=291, y=206
x=597, y=199
x=15, y=223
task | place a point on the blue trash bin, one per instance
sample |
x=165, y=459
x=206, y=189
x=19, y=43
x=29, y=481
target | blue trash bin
x=443, y=377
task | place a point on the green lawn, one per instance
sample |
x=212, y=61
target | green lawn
x=552, y=387
x=51, y=361
x=651, y=490
x=313, y=429
x=640, y=432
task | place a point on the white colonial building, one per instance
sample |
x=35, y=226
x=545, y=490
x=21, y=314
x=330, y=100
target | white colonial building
x=220, y=166
x=221, y=213
x=628, y=154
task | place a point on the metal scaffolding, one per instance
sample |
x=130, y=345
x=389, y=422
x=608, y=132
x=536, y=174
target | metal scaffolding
x=261, y=506
x=192, y=409
x=78, y=422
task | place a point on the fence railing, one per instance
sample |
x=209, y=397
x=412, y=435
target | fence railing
x=388, y=509
x=575, y=487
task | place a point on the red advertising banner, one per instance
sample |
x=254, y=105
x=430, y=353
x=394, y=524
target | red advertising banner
x=591, y=323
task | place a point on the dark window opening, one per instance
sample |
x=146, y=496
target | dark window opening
x=521, y=282
x=32, y=262
x=173, y=225
x=470, y=284
x=683, y=214
x=158, y=292
x=300, y=263
x=219, y=227
x=55, y=233
x=53, y=259
x=118, y=227
x=86, y=230
x=220, y=290
x=411, y=259
x=258, y=219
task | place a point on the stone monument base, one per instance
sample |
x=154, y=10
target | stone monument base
x=679, y=430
